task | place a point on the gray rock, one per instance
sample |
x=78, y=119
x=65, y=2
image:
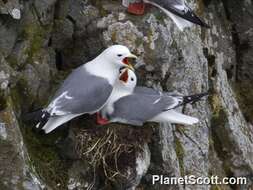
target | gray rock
x=61, y=35
x=14, y=158
x=45, y=10
x=8, y=30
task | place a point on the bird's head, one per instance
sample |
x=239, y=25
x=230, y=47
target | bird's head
x=127, y=79
x=119, y=55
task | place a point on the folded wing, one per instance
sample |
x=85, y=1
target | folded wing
x=138, y=108
x=80, y=93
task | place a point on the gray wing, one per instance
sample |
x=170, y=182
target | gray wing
x=138, y=108
x=172, y=4
x=146, y=90
x=80, y=93
x=152, y=92
x=181, y=9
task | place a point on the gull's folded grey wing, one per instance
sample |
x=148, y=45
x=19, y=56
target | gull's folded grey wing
x=140, y=107
x=80, y=93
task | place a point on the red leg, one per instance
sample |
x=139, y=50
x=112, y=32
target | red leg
x=101, y=120
x=136, y=8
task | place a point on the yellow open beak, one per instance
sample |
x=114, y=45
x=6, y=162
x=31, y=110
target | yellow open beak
x=132, y=56
x=129, y=66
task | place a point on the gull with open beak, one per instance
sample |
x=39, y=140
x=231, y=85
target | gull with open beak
x=136, y=105
x=87, y=89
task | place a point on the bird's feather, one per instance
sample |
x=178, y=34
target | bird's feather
x=140, y=107
x=172, y=116
x=56, y=121
x=176, y=9
x=80, y=93
x=147, y=104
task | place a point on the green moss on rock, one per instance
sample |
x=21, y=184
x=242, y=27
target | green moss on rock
x=3, y=101
x=220, y=137
x=42, y=149
x=216, y=187
x=219, y=118
x=36, y=35
x=13, y=62
x=160, y=16
x=20, y=95
x=45, y=158
x=99, y=5
x=244, y=94
x=180, y=155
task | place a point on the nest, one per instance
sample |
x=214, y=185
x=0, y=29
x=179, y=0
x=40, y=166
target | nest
x=112, y=148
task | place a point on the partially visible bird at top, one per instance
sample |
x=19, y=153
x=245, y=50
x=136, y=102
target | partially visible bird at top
x=87, y=89
x=135, y=105
x=177, y=10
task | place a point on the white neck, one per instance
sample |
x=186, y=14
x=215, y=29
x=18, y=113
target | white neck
x=120, y=92
x=103, y=68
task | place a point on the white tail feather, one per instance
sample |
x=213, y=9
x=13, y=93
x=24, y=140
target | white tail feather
x=56, y=121
x=180, y=22
x=175, y=117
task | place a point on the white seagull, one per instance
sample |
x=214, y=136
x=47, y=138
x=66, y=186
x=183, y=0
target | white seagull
x=177, y=10
x=86, y=89
x=136, y=105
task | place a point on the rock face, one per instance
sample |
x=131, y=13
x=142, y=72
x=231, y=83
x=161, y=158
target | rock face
x=52, y=37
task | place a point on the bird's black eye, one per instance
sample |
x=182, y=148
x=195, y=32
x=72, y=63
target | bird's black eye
x=119, y=55
x=132, y=79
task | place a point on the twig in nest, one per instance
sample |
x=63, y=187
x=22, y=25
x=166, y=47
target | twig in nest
x=104, y=149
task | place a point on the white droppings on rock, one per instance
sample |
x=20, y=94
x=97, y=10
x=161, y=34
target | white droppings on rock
x=15, y=180
x=29, y=185
x=73, y=184
x=16, y=13
x=143, y=161
x=4, y=85
x=214, y=30
x=4, y=77
x=3, y=133
x=122, y=16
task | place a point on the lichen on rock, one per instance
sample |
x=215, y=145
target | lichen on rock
x=53, y=37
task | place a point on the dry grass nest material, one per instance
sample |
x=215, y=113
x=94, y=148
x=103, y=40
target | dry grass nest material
x=112, y=148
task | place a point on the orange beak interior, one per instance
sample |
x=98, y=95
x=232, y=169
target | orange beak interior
x=124, y=76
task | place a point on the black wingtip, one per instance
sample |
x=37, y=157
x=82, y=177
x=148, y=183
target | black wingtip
x=194, y=98
x=39, y=116
x=189, y=16
x=32, y=116
x=192, y=17
x=205, y=25
x=43, y=119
